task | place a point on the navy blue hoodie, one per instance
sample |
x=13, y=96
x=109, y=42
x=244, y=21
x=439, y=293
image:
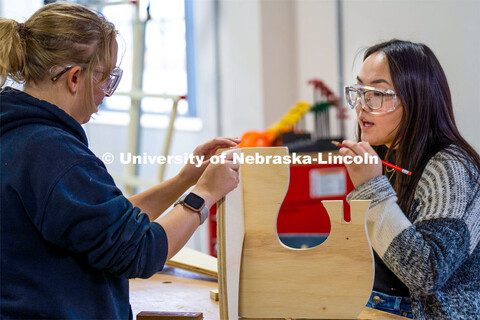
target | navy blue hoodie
x=69, y=238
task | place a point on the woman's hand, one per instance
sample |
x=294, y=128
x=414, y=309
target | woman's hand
x=215, y=182
x=218, y=180
x=361, y=173
x=191, y=172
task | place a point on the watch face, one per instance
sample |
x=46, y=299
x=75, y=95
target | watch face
x=194, y=201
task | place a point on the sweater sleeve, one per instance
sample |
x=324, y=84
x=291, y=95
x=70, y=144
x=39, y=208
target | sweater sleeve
x=426, y=251
x=86, y=214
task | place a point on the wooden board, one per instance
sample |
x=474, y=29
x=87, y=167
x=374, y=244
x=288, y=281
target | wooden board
x=333, y=280
x=169, y=315
x=230, y=225
x=195, y=261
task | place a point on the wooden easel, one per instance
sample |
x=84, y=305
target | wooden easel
x=259, y=277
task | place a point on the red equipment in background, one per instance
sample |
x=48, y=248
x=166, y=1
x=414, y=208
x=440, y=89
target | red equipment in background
x=303, y=220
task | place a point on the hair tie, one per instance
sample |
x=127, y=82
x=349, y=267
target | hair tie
x=22, y=30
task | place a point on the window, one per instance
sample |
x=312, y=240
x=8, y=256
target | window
x=164, y=41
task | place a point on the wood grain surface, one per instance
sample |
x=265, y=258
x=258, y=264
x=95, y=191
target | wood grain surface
x=333, y=280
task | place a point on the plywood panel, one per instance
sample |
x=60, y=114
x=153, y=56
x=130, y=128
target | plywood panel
x=333, y=280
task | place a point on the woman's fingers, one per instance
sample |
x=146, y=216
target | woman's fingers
x=210, y=148
x=360, y=172
x=359, y=148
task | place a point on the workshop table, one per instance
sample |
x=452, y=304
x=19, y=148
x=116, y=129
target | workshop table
x=183, y=291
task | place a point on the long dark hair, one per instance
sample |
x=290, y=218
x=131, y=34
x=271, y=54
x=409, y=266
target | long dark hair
x=427, y=125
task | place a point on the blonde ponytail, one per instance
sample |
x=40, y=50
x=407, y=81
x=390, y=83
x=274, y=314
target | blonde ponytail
x=58, y=34
x=12, y=52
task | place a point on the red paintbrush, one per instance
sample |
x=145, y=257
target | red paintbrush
x=388, y=164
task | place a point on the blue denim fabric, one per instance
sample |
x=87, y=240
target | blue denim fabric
x=397, y=305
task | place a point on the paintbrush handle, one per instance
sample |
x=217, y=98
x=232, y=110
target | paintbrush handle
x=388, y=164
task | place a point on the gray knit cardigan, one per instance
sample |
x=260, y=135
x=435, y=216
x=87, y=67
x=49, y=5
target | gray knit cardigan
x=434, y=250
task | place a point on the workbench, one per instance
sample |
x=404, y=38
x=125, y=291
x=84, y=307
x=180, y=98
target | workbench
x=179, y=290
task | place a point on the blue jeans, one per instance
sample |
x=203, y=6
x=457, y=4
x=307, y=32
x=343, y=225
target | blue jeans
x=397, y=305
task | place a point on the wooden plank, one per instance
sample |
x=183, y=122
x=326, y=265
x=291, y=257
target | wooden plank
x=195, y=261
x=166, y=315
x=230, y=234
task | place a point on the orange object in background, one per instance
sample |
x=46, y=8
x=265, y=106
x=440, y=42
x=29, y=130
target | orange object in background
x=257, y=139
x=271, y=136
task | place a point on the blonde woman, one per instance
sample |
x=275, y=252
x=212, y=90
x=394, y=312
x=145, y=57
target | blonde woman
x=69, y=239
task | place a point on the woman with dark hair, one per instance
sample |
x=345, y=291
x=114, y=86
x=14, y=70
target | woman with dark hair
x=424, y=227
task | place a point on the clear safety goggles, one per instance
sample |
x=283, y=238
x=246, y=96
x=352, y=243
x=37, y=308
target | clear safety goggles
x=108, y=87
x=112, y=82
x=372, y=100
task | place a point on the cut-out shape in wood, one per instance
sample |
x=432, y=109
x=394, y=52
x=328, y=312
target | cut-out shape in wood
x=331, y=281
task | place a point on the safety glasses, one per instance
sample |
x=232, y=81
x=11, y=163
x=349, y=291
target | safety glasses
x=108, y=87
x=112, y=82
x=372, y=100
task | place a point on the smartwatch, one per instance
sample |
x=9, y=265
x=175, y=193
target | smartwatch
x=194, y=203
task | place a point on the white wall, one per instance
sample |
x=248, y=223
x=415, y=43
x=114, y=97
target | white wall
x=317, y=51
x=279, y=58
x=240, y=81
x=19, y=10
